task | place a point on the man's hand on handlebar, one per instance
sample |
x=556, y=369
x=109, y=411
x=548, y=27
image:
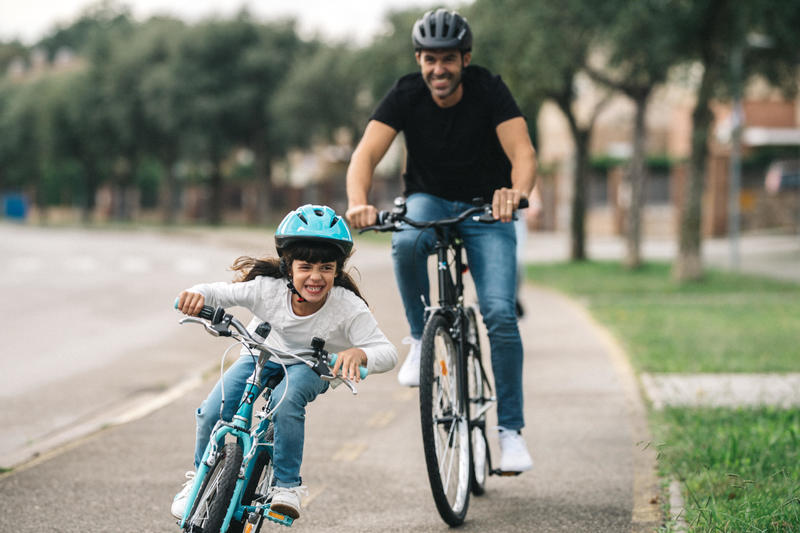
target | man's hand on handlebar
x=504, y=202
x=361, y=216
x=190, y=303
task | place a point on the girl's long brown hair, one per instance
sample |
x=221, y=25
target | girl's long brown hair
x=248, y=268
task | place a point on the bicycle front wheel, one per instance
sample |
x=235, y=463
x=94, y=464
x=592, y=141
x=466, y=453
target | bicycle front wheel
x=216, y=492
x=444, y=418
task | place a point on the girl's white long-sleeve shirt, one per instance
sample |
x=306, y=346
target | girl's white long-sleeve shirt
x=344, y=321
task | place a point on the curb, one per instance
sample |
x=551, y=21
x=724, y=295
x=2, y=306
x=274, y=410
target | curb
x=69, y=437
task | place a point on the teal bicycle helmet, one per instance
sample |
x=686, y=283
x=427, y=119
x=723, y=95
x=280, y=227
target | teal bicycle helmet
x=314, y=223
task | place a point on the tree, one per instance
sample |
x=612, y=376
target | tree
x=228, y=72
x=712, y=32
x=633, y=57
x=149, y=112
x=527, y=42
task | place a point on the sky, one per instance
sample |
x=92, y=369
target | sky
x=359, y=20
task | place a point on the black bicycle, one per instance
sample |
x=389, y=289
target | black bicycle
x=454, y=390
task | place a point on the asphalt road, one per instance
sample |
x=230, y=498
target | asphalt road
x=363, y=461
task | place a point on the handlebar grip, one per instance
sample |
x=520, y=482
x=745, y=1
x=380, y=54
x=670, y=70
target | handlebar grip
x=207, y=312
x=362, y=370
x=523, y=203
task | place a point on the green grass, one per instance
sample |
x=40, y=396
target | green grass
x=726, y=323
x=740, y=468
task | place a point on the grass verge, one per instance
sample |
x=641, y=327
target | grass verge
x=740, y=468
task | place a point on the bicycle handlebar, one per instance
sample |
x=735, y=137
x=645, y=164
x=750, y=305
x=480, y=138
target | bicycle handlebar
x=221, y=321
x=390, y=220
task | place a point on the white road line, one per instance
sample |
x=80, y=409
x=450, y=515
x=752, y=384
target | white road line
x=25, y=264
x=188, y=265
x=81, y=263
x=135, y=265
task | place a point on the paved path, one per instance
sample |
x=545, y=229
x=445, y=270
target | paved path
x=363, y=461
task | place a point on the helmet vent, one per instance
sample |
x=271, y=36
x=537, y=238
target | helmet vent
x=319, y=212
x=334, y=220
x=303, y=218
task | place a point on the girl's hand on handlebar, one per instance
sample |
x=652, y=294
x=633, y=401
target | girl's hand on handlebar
x=348, y=362
x=504, y=202
x=361, y=216
x=190, y=303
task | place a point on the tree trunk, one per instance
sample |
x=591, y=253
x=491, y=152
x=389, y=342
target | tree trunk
x=215, y=202
x=688, y=264
x=578, y=226
x=636, y=177
x=169, y=197
x=263, y=177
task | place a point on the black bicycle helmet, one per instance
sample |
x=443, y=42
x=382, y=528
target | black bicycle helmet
x=442, y=29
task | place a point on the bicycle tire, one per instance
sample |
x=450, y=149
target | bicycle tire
x=216, y=492
x=478, y=389
x=262, y=474
x=444, y=419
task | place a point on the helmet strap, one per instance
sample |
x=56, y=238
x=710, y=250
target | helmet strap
x=294, y=290
x=284, y=268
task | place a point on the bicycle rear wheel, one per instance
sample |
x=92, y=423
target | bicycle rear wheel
x=444, y=418
x=216, y=492
x=478, y=398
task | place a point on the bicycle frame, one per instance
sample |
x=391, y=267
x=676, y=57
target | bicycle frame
x=239, y=427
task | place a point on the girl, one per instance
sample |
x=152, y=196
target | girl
x=303, y=293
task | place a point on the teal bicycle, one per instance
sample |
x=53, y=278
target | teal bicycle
x=231, y=492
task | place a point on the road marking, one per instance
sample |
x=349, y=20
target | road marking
x=81, y=263
x=350, y=451
x=135, y=265
x=313, y=494
x=381, y=419
x=404, y=394
x=60, y=442
x=25, y=264
x=189, y=265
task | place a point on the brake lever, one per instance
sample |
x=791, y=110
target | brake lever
x=216, y=330
x=350, y=385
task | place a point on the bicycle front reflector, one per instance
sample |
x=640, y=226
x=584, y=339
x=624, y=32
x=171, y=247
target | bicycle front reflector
x=444, y=368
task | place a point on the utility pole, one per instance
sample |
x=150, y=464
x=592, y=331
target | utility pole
x=735, y=167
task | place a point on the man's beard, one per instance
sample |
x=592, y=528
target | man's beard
x=455, y=81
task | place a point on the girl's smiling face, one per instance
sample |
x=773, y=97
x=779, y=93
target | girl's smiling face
x=313, y=281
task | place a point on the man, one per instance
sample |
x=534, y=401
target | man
x=465, y=138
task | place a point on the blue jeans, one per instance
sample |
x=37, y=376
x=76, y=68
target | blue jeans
x=491, y=255
x=288, y=420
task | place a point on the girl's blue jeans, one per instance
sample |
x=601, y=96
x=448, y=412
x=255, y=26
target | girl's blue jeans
x=492, y=259
x=288, y=420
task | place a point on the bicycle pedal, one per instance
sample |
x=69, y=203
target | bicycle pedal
x=505, y=473
x=278, y=518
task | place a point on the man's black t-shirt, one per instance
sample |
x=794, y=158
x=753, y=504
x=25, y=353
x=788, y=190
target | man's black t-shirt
x=453, y=152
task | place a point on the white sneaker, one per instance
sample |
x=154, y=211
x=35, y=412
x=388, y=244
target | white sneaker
x=179, y=502
x=514, y=456
x=409, y=372
x=286, y=500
